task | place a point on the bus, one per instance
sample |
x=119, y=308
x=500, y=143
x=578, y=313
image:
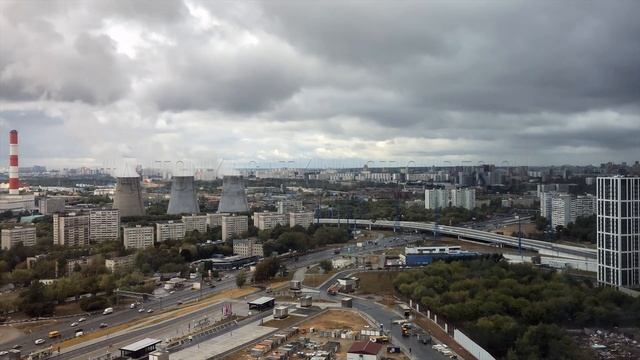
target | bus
x=54, y=334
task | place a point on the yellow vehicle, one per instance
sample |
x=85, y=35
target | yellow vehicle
x=54, y=334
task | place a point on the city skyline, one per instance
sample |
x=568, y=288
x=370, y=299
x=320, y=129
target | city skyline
x=541, y=83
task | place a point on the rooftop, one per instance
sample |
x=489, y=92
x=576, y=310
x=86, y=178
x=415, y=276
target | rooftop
x=365, y=347
x=261, y=301
x=141, y=344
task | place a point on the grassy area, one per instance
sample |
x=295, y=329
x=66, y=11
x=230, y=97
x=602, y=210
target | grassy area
x=314, y=280
x=379, y=283
x=283, y=323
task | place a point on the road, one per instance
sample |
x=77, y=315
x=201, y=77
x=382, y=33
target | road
x=124, y=314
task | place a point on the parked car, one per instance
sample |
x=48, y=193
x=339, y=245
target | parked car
x=141, y=310
x=39, y=341
x=149, y=311
x=17, y=346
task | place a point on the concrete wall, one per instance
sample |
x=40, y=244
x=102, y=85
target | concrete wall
x=469, y=345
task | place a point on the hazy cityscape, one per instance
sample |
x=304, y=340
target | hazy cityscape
x=353, y=180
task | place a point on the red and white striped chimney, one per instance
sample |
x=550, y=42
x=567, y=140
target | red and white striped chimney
x=14, y=181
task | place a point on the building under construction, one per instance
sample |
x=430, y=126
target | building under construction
x=234, y=198
x=128, y=194
x=183, y=199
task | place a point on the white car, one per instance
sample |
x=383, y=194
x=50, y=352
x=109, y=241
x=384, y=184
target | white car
x=172, y=292
x=39, y=341
x=150, y=311
x=74, y=324
x=82, y=319
x=141, y=310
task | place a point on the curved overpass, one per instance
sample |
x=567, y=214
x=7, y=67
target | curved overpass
x=478, y=235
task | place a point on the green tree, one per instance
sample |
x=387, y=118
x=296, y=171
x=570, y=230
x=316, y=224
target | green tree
x=241, y=279
x=326, y=265
x=267, y=269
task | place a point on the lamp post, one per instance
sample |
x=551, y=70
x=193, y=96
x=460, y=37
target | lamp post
x=519, y=237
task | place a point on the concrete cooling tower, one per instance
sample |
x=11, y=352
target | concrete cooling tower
x=128, y=197
x=183, y=196
x=234, y=199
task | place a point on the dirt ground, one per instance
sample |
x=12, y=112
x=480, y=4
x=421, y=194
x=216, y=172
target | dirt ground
x=379, y=283
x=334, y=319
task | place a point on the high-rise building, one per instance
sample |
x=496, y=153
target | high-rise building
x=137, y=237
x=289, y=206
x=234, y=226
x=304, y=219
x=247, y=247
x=170, y=230
x=436, y=198
x=618, y=231
x=195, y=222
x=70, y=229
x=104, y=225
x=562, y=210
x=585, y=205
x=464, y=198
x=269, y=220
x=18, y=235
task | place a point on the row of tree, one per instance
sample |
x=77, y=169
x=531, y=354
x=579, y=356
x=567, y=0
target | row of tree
x=512, y=310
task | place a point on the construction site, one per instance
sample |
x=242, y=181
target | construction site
x=328, y=335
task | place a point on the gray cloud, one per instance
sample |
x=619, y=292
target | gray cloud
x=428, y=80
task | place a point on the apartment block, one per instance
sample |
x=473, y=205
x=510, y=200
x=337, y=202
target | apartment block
x=562, y=210
x=120, y=263
x=70, y=229
x=234, y=226
x=304, y=219
x=104, y=225
x=269, y=220
x=464, y=198
x=214, y=220
x=289, y=206
x=137, y=237
x=170, y=230
x=195, y=222
x=247, y=247
x=618, y=231
x=79, y=263
x=18, y=235
x=436, y=198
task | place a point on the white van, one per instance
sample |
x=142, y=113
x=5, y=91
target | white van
x=107, y=311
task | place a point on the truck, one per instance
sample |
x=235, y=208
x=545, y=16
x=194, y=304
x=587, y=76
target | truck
x=107, y=311
x=333, y=289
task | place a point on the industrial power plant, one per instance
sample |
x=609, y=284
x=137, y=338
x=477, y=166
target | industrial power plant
x=234, y=197
x=183, y=196
x=128, y=195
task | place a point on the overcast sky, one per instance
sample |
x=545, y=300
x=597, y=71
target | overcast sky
x=536, y=82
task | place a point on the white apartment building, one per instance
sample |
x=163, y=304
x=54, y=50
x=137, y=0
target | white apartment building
x=464, y=198
x=545, y=204
x=18, y=235
x=269, y=220
x=234, y=226
x=215, y=219
x=562, y=210
x=585, y=205
x=304, y=219
x=436, y=198
x=138, y=237
x=247, y=247
x=289, y=206
x=70, y=229
x=170, y=230
x=195, y=222
x=104, y=225
x=618, y=231
x=120, y=263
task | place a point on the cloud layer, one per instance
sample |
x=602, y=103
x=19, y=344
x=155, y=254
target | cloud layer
x=541, y=82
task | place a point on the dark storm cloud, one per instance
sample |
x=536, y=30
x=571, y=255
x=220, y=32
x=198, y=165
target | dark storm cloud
x=278, y=79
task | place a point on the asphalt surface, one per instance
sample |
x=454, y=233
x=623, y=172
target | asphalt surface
x=124, y=314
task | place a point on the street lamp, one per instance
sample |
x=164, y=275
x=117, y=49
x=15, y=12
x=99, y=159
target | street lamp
x=519, y=236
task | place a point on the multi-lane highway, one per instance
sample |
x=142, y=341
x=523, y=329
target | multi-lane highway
x=472, y=234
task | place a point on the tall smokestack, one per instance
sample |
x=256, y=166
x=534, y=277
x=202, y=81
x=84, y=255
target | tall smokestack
x=14, y=180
